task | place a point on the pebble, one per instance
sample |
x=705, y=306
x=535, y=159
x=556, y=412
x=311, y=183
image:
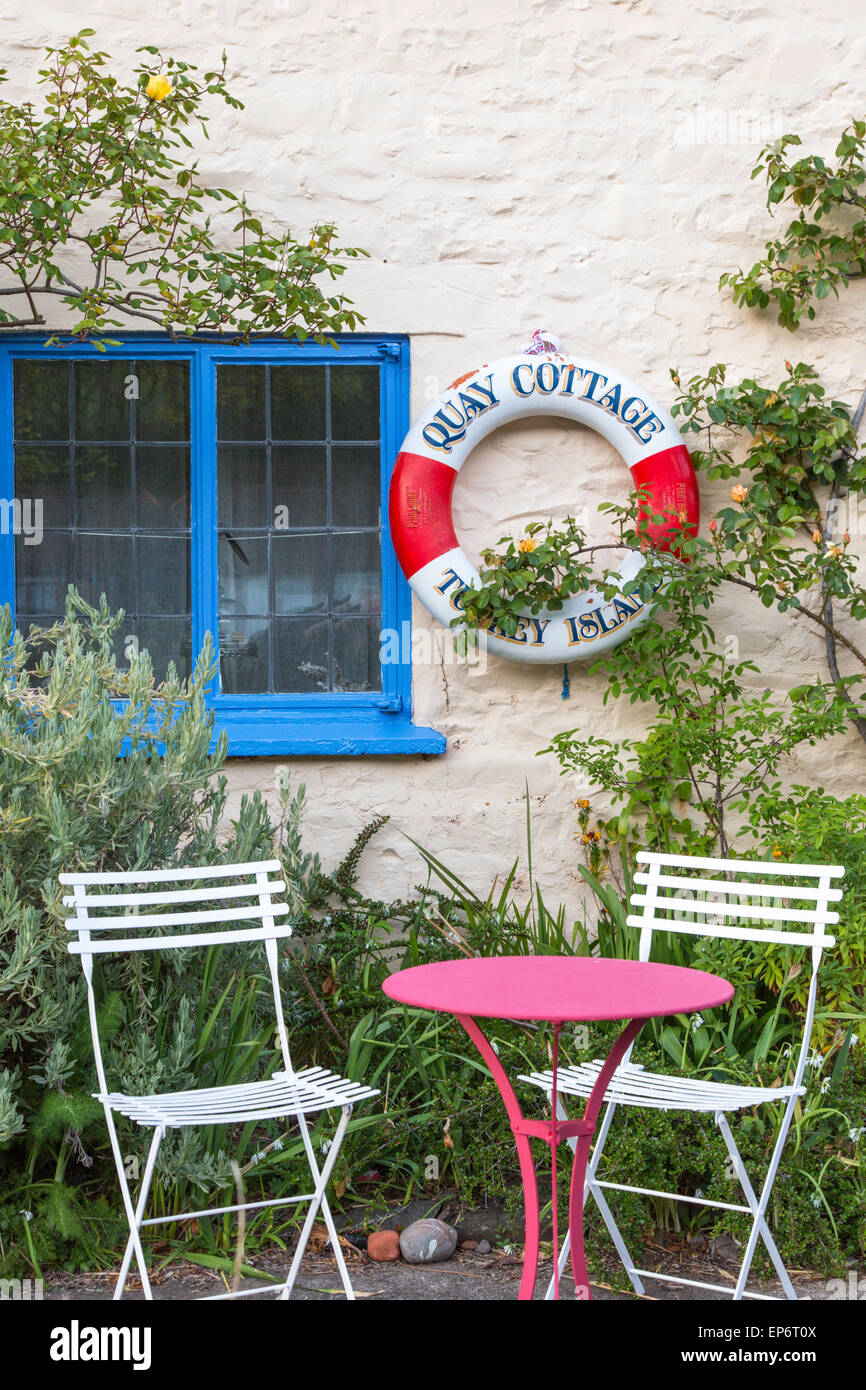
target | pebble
x=724, y=1247
x=383, y=1246
x=427, y=1242
x=484, y=1247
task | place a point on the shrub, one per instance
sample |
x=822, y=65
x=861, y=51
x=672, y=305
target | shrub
x=100, y=769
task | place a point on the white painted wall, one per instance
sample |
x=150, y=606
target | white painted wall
x=582, y=166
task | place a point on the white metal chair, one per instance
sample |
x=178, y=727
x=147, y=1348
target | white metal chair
x=677, y=897
x=136, y=919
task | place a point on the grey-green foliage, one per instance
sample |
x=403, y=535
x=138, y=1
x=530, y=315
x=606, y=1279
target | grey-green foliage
x=11, y=1119
x=302, y=868
x=102, y=768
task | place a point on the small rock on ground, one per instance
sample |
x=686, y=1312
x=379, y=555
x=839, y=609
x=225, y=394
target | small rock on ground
x=428, y=1242
x=383, y=1246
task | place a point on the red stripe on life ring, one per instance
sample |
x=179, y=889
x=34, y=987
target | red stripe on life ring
x=419, y=509
x=673, y=488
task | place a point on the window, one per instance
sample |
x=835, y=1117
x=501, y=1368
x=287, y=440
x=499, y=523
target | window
x=240, y=491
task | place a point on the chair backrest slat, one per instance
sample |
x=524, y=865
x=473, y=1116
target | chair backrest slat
x=713, y=907
x=216, y=892
x=782, y=938
x=163, y=943
x=733, y=887
x=177, y=919
x=227, y=871
x=759, y=867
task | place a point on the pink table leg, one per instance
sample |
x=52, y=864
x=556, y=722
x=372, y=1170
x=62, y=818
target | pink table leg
x=553, y=1132
x=524, y=1153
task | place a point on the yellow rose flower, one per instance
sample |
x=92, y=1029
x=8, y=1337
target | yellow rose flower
x=739, y=493
x=159, y=87
x=526, y=546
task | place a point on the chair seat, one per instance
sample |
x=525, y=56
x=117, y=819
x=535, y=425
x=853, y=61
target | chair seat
x=633, y=1085
x=283, y=1094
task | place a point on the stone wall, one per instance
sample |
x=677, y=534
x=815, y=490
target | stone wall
x=581, y=166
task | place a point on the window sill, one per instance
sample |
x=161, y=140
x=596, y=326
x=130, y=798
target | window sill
x=358, y=732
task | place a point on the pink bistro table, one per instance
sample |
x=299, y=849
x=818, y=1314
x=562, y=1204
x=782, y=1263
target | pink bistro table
x=557, y=990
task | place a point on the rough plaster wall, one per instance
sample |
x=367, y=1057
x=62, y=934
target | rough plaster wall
x=582, y=166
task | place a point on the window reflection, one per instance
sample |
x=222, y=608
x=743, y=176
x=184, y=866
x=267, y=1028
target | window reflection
x=300, y=589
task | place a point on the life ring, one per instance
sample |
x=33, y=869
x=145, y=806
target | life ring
x=540, y=380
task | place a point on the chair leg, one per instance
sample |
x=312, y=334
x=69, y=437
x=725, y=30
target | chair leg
x=134, y=1217
x=757, y=1205
x=601, y=1202
x=320, y=1200
x=616, y=1236
x=325, y=1204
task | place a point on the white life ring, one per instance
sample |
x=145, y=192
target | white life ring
x=535, y=382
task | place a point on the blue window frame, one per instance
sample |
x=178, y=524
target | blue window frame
x=278, y=721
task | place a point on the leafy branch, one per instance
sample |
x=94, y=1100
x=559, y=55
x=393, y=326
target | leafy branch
x=823, y=248
x=103, y=208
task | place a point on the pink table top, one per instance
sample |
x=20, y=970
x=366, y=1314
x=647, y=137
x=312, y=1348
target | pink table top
x=557, y=989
